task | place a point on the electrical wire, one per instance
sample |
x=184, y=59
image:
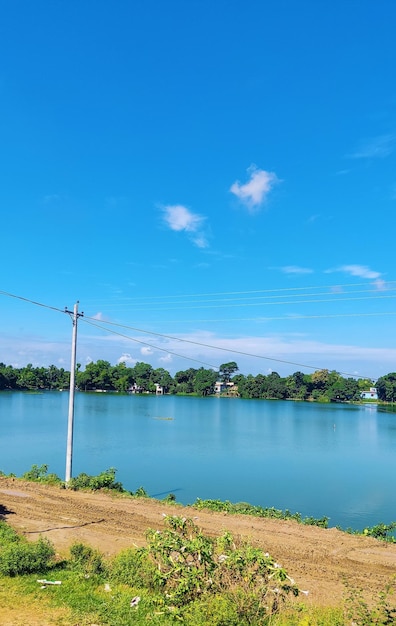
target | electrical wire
x=204, y=345
x=145, y=343
x=93, y=322
x=264, y=291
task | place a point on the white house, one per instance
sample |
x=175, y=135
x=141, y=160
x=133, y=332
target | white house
x=221, y=387
x=371, y=394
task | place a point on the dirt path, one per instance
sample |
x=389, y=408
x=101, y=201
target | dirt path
x=319, y=560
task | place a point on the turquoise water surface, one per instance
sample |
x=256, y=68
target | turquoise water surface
x=336, y=460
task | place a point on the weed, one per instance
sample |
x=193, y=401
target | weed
x=86, y=560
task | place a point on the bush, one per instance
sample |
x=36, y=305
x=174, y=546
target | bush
x=86, y=560
x=7, y=535
x=133, y=567
x=39, y=474
x=105, y=480
x=20, y=557
x=190, y=565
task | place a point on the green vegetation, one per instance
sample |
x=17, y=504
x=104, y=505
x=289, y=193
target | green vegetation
x=180, y=577
x=106, y=481
x=383, y=532
x=321, y=386
x=243, y=508
x=18, y=556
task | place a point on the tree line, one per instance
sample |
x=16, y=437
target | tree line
x=322, y=385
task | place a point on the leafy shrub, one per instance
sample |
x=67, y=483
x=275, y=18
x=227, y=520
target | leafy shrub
x=169, y=498
x=7, y=534
x=190, y=565
x=39, y=474
x=86, y=560
x=258, y=511
x=134, y=567
x=21, y=557
x=105, y=480
x=381, y=531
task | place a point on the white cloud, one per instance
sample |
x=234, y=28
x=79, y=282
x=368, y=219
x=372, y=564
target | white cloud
x=127, y=359
x=362, y=271
x=380, y=284
x=180, y=219
x=377, y=147
x=253, y=193
x=146, y=351
x=98, y=316
x=295, y=269
x=166, y=359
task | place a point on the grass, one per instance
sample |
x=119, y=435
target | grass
x=181, y=577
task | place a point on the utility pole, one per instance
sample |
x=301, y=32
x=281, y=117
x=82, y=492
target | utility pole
x=69, y=451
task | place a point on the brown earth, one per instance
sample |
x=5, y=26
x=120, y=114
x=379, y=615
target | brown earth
x=320, y=560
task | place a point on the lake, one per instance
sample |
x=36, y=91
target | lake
x=336, y=460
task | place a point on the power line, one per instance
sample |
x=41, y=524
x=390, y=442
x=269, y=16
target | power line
x=292, y=318
x=205, y=345
x=145, y=343
x=228, y=305
x=45, y=306
x=93, y=322
x=256, y=291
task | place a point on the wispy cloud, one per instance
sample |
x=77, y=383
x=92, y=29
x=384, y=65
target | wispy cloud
x=362, y=271
x=127, y=359
x=99, y=317
x=254, y=193
x=178, y=218
x=295, y=269
x=166, y=359
x=146, y=351
x=375, y=148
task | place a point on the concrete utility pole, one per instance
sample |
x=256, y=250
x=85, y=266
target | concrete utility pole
x=69, y=451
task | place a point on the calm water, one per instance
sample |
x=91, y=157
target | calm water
x=334, y=460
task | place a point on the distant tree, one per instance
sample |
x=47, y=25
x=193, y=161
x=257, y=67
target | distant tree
x=184, y=380
x=344, y=389
x=161, y=377
x=142, y=373
x=276, y=386
x=204, y=382
x=96, y=376
x=386, y=387
x=122, y=377
x=226, y=370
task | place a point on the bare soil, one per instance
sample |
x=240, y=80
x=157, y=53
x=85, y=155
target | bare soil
x=320, y=560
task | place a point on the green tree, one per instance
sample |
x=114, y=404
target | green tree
x=226, y=370
x=96, y=376
x=386, y=387
x=184, y=380
x=142, y=373
x=204, y=382
x=122, y=377
x=276, y=386
x=161, y=376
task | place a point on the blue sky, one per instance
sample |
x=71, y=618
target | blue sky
x=219, y=173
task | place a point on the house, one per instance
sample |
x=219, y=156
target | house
x=221, y=387
x=371, y=394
